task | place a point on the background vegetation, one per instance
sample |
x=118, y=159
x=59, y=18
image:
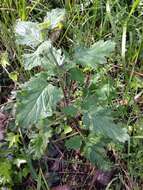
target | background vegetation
x=25, y=160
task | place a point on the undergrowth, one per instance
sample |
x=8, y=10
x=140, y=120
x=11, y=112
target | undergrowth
x=71, y=94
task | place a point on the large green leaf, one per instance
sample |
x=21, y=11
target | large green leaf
x=36, y=100
x=94, y=55
x=45, y=55
x=55, y=17
x=101, y=122
x=28, y=33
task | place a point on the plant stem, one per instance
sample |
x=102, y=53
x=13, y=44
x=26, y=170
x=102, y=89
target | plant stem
x=62, y=83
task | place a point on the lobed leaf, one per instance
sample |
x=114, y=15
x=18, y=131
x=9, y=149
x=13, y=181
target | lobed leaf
x=38, y=143
x=36, y=100
x=96, y=155
x=101, y=122
x=95, y=152
x=94, y=55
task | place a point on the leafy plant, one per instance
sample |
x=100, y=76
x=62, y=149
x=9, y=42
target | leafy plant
x=64, y=87
x=38, y=143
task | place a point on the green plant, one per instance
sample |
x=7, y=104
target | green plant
x=94, y=95
x=64, y=92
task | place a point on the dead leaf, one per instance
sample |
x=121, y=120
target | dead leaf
x=56, y=165
x=139, y=97
x=64, y=187
x=55, y=35
x=102, y=178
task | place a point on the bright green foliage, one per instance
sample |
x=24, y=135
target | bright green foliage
x=5, y=172
x=36, y=100
x=67, y=129
x=14, y=76
x=28, y=33
x=4, y=59
x=55, y=17
x=38, y=143
x=13, y=139
x=45, y=56
x=74, y=142
x=100, y=121
x=94, y=55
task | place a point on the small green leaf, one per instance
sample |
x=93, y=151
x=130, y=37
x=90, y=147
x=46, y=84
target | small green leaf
x=25, y=171
x=28, y=33
x=36, y=100
x=70, y=111
x=74, y=142
x=76, y=74
x=55, y=17
x=67, y=129
x=94, y=55
x=4, y=62
x=14, y=76
x=13, y=139
x=44, y=25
